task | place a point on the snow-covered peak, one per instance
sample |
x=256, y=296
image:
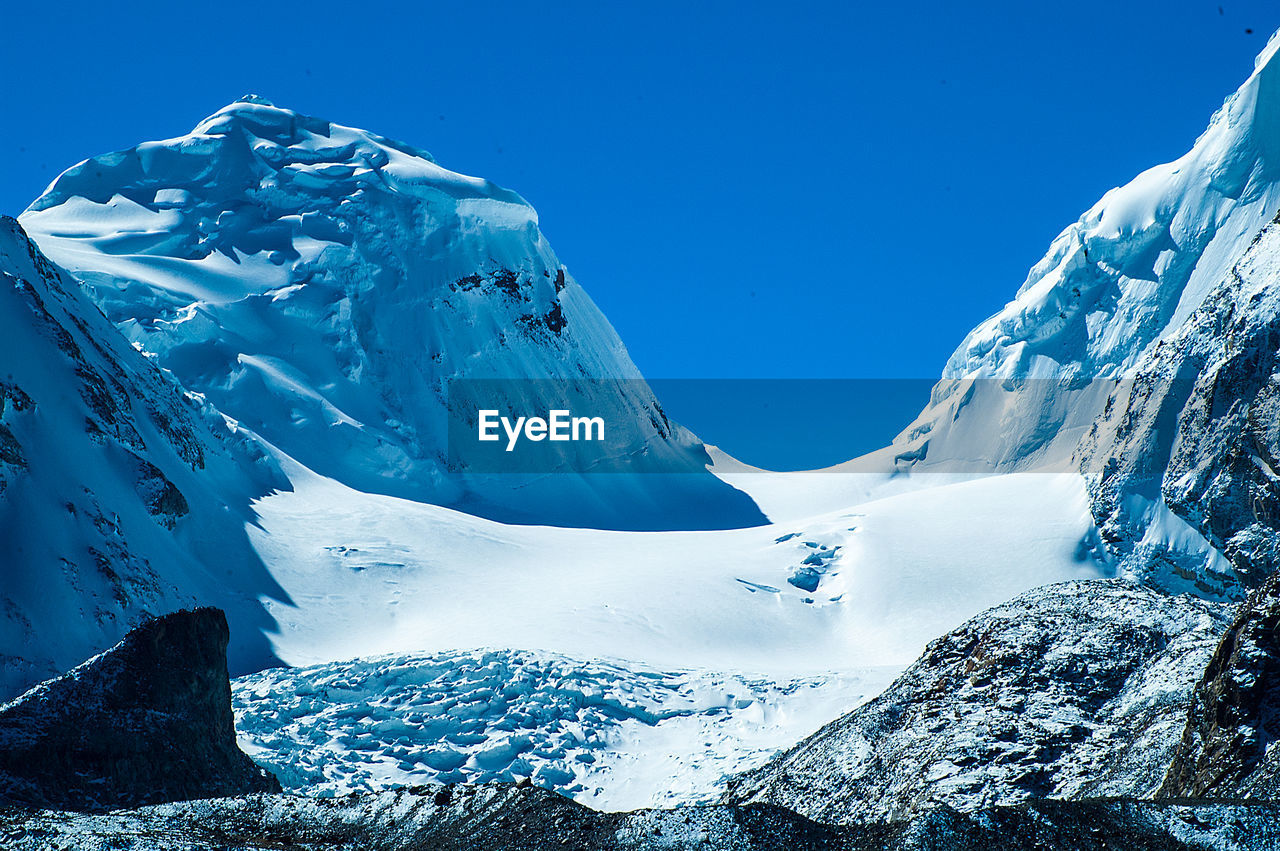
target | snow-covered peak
x=326, y=286
x=1127, y=274
x=1139, y=261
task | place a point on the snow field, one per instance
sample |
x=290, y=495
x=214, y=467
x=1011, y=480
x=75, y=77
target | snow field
x=650, y=664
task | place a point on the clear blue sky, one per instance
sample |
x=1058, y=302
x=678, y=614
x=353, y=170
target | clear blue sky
x=807, y=189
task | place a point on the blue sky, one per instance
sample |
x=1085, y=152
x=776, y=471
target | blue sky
x=807, y=189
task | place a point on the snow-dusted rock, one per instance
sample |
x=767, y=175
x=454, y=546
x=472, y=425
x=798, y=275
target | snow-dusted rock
x=507, y=818
x=1182, y=464
x=145, y=722
x=1075, y=690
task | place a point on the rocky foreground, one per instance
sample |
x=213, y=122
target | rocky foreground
x=1077, y=690
x=135, y=749
x=506, y=818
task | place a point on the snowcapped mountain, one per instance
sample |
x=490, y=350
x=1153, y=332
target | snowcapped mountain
x=327, y=295
x=120, y=496
x=325, y=288
x=334, y=291
x=1108, y=359
x=1138, y=263
x=1127, y=274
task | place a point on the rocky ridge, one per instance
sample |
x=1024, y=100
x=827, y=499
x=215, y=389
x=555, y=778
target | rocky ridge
x=120, y=495
x=1078, y=690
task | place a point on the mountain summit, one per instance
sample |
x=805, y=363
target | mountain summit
x=331, y=289
x=1127, y=274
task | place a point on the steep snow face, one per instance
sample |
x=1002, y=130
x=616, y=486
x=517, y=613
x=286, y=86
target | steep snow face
x=328, y=287
x=120, y=497
x=1126, y=275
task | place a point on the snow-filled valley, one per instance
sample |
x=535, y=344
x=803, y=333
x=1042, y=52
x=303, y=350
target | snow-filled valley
x=624, y=668
x=863, y=585
x=304, y=293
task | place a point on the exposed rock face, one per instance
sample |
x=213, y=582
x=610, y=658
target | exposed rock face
x=1231, y=747
x=145, y=722
x=1070, y=691
x=1185, y=456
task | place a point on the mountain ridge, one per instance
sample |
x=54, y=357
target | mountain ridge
x=116, y=487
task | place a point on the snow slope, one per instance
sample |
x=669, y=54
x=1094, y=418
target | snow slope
x=626, y=640
x=891, y=574
x=120, y=497
x=335, y=291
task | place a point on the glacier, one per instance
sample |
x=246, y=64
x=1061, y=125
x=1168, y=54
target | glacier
x=318, y=286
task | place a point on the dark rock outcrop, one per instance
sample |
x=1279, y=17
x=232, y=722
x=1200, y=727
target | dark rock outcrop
x=1231, y=746
x=145, y=722
x=1076, y=690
